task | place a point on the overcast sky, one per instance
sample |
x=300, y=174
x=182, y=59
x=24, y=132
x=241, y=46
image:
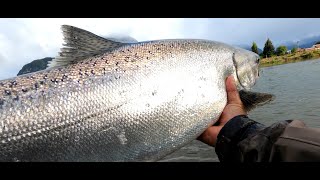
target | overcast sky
x=24, y=40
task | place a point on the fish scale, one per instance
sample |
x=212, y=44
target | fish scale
x=134, y=102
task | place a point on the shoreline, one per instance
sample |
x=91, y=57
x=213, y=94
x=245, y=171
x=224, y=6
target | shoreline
x=290, y=58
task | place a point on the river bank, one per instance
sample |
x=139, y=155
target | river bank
x=290, y=58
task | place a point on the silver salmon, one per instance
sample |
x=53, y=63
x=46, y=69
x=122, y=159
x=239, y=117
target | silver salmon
x=103, y=100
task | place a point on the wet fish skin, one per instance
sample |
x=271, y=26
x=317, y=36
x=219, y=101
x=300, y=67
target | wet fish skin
x=138, y=102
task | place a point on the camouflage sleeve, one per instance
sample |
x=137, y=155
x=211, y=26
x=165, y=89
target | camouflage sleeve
x=245, y=140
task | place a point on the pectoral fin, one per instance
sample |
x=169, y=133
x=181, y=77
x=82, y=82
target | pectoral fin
x=251, y=100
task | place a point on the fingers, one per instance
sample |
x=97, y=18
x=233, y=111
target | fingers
x=232, y=92
x=210, y=135
x=233, y=108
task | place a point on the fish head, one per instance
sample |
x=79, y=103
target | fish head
x=246, y=65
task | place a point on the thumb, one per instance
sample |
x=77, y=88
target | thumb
x=232, y=92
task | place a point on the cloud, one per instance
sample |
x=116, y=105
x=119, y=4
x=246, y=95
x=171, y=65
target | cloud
x=2, y=58
x=17, y=46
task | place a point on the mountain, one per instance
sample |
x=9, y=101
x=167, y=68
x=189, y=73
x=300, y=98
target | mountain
x=36, y=65
x=303, y=43
x=121, y=38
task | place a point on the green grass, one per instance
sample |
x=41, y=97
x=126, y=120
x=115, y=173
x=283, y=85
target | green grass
x=290, y=58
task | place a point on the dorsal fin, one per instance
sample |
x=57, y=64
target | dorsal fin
x=80, y=44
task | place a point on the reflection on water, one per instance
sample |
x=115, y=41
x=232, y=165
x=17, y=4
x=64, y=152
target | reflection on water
x=297, y=90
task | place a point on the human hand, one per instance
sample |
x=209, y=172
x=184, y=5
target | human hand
x=233, y=108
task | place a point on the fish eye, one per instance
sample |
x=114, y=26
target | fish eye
x=258, y=60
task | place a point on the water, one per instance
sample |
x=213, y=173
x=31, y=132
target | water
x=297, y=90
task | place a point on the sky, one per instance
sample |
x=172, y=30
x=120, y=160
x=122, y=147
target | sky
x=24, y=40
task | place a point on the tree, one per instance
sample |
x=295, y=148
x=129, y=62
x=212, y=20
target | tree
x=281, y=50
x=254, y=48
x=293, y=50
x=268, y=49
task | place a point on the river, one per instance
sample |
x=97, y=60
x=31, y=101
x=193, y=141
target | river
x=297, y=90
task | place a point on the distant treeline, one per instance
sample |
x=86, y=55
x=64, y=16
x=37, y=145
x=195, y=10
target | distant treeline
x=269, y=50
